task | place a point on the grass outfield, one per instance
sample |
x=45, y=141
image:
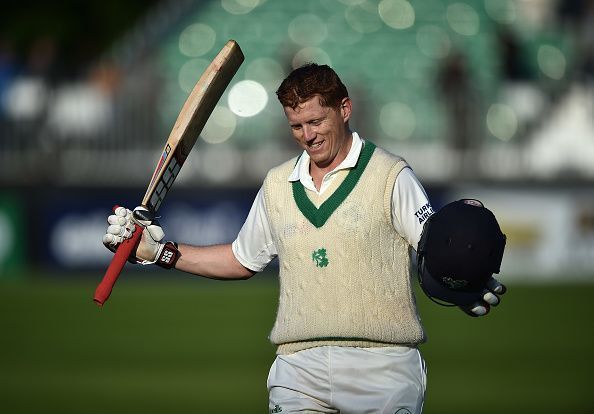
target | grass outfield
x=198, y=346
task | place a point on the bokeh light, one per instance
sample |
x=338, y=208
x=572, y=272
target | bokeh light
x=398, y=120
x=197, y=39
x=551, y=61
x=463, y=19
x=220, y=126
x=502, y=121
x=398, y=14
x=363, y=17
x=266, y=71
x=190, y=72
x=247, y=98
x=239, y=6
x=307, y=30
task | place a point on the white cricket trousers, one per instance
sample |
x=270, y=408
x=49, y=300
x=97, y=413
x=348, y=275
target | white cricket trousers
x=347, y=380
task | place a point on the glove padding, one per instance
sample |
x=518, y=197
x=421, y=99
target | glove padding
x=150, y=250
x=491, y=297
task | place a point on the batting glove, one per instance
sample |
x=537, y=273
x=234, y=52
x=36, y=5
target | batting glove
x=491, y=297
x=151, y=249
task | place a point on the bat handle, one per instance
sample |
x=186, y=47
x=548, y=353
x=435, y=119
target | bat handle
x=115, y=267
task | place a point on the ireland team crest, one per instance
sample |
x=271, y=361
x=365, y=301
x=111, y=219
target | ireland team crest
x=319, y=257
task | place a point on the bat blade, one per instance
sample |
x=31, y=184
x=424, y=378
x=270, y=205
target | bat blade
x=191, y=121
x=188, y=126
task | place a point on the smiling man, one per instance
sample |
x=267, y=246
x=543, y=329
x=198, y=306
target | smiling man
x=342, y=219
x=319, y=122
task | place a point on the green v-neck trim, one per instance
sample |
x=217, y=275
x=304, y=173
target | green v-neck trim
x=319, y=216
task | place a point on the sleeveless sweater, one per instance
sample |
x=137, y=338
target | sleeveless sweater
x=344, y=270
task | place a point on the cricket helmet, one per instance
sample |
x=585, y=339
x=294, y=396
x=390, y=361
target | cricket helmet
x=460, y=248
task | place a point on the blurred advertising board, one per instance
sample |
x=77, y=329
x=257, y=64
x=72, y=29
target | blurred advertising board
x=550, y=232
x=12, y=236
x=74, y=223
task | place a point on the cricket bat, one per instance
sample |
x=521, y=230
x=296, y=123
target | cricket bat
x=190, y=121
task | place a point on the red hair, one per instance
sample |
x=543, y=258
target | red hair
x=310, y=80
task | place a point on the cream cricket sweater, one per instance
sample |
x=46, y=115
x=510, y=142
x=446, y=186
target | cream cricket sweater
x=344, y=271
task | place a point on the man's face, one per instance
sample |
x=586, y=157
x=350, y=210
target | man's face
x=321, y=131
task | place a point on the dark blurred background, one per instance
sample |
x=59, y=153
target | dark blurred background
x=487, y=99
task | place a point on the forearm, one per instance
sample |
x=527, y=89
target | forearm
x=214, y=262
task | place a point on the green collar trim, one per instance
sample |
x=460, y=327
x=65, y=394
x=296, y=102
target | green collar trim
x=319, y=216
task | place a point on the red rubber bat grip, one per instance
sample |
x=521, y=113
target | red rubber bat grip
x=115, y=267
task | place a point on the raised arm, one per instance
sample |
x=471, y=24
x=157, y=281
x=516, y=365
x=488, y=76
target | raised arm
x=215, y=262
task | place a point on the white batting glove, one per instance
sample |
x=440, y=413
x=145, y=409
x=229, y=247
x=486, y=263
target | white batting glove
x=491, y=297
x=150, y=250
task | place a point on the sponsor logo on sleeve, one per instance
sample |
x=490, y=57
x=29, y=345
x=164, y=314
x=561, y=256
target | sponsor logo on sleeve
x=424, y=212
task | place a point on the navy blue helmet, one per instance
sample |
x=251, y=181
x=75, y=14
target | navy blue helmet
x=460, y=248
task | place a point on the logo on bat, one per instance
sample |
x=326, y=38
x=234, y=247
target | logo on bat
x=160, y=165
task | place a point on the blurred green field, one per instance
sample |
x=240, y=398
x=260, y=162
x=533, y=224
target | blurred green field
x=189, y=345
